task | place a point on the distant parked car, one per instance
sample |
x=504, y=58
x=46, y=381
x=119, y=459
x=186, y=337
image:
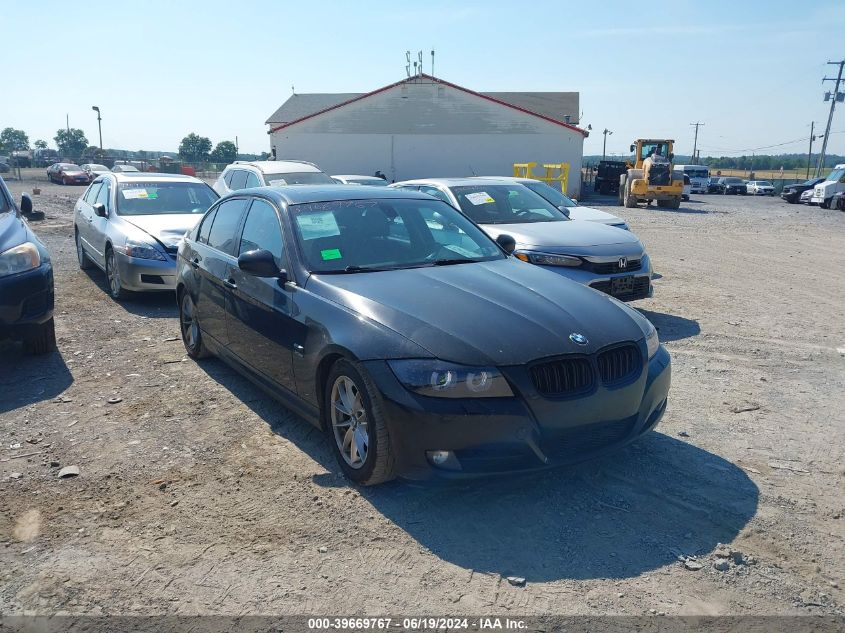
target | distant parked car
x=565, y=203
x=603, y=257
x=732, y=186
x=269, y=173
x=68, y=174
x=93, y=170
x=807, y=197
x=124, y=169
x=760, y=188
x=792, y=193
x=713, y=185
x=687, y=188
x=4, y=166
x=372, y=181
x=130, y=225
x=26, y=279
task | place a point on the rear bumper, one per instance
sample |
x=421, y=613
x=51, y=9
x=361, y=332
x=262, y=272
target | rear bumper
x=26, y=300
x=503, y=435
x=146, y=275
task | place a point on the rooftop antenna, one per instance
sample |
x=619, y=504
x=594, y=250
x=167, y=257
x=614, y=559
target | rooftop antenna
x=292, y=91
x=408, y=65
x=420, y=66
x=432, y=62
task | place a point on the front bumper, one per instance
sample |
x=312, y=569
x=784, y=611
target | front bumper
x=146, y=275
x=26, y=300
x=509, y=435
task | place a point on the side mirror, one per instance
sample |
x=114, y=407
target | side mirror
x=507, y=243
x=100, y=210
x=632, y=148
x=564, y=210
x=261, y=263
x=26, y=204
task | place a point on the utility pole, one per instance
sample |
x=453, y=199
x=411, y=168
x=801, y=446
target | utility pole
x=833, y=97
x=695, y=142
x=810, y=153
x=99, y=126
x=604, y=143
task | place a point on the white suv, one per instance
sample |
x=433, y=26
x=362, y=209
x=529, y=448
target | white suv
x=243, y=174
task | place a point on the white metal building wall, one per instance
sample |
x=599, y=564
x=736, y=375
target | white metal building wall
x=423, y=130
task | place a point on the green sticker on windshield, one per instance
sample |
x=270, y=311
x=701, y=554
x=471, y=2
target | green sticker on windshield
x=331, y=253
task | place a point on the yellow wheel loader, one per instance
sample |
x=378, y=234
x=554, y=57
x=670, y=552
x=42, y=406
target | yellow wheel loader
x=652, y=177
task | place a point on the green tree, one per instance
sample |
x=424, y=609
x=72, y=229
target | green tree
x=12, y=140
x=71, y=143
x=225, y=152
x=39, y=144
x=195, y=148
x=93, y=154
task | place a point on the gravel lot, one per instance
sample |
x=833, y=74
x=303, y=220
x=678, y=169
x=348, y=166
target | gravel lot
x=199, y=495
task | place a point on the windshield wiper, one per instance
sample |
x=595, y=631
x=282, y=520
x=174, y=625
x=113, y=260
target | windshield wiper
x=352, y=269
x=449, y=262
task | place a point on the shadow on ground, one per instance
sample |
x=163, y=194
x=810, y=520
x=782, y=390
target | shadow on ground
x=153, y=305
x=26, y=379
x=616, y=517
x=671, y=327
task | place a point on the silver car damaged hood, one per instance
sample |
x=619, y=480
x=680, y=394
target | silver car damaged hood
x=572, y=237
x=169, y=229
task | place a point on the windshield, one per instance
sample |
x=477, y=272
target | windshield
x=69, y=167
x=551, y=194
x=372, y=182
x=764, y=183
x=696, y=172
x=360, y=235
x=733, y=181
x=836, y=175
x=98, y=168
x=651, y=147
x=125, y=168
x=505, y=204
x=164, y=198
x=298, y=178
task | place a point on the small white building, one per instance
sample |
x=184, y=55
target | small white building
x=427, y=127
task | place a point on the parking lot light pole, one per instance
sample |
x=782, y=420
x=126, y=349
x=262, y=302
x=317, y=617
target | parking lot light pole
x=604, y=143
x=99, y=125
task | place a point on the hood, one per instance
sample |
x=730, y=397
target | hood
x=78, y=171
x=500, y=313
x=12, y=230
x=572, y=237
x=166, y=228
x=593, y=215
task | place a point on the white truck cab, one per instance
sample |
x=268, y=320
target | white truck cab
x=699, y=176
x=824, y=191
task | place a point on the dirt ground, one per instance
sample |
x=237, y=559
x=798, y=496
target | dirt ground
x=198, y=494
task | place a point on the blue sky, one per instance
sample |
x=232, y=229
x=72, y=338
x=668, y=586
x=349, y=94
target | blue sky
x=751, y=71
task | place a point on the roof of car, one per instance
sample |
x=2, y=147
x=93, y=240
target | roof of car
x=130, y=176
x=457, y=182
x=279, y=166
x=358, y=176
x=301, y=194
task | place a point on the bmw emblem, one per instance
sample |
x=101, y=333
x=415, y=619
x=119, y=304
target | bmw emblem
x=578, y=339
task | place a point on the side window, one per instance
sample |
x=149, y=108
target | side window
x=205, y=229
x=238, y=179
x=262, y=231
x=228, y=178
x=434, y=191
x=252, y=180
x=91, y=194
x=103, y=196
x=224, y=228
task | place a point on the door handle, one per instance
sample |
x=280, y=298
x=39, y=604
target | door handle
x=195, y=262
x=231, y=283
x=298, y=349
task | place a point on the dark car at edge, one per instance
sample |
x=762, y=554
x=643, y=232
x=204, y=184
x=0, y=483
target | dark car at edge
x=792, y=193
x=26, y=279
x=412, y=339
x=732, y=186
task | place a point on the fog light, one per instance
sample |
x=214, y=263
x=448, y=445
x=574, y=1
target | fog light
x=443, y=459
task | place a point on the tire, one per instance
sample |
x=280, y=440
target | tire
x=189, y=328
x=116, y=289
x=346, y=415
x=674, y=203
x=42, y=340
x=623, y=181
x=85, y=262
x=630, y=201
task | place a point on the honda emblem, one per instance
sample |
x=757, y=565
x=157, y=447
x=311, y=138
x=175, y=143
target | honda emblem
x=623, y=263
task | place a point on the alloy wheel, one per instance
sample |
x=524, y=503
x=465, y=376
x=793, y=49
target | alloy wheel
x=350, y=425
x=189, y=325
x=113, y=275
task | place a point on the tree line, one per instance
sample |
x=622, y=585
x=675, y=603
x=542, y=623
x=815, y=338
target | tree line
x=72, y=143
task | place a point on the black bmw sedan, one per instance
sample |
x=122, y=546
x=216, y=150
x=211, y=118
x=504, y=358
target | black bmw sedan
x=415, y=341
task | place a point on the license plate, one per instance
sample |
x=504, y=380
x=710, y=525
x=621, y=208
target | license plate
x=622, y=285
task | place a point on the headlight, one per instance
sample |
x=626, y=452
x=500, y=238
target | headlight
x=447, y=380
x=652, y=342
x=19, y=259
x=549, y=259
x=141, y=250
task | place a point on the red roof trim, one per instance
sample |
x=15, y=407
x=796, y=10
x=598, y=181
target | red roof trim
x=436, y=80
